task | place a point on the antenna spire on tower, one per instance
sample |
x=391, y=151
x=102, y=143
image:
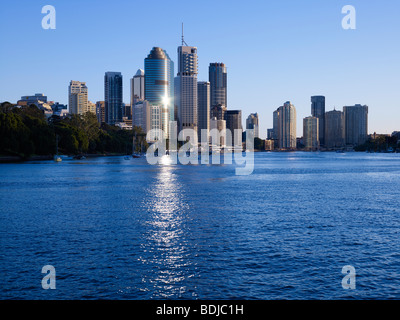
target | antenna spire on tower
x=183, y=38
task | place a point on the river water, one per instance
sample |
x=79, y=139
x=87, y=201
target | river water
x=123, y=229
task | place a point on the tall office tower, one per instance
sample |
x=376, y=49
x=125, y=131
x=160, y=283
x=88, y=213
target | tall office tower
x=137, y=87
x=275, y=125
x=203, y=106
x=113, y=97
x=234, y=122
x=218, y=84
x=334, y=129
x=287, y=126
x=77, y=97
x=252, y=123
x=356, y=124
x=311, y=133
x=101, y=111
x=159, y=84
x=318, y=110
x=186, y=88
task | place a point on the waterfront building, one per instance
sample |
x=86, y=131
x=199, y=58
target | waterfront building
x=269, y=145
x=287, y=127
x=356, y=124
x=334, y=129
x=311, y=133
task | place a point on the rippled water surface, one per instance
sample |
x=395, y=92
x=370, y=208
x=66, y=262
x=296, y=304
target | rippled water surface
x=123, y=229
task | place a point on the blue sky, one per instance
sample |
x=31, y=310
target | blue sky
x=275, y=51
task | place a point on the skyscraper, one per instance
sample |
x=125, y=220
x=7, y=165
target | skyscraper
x=113, y=97
x=186, y=88
x=137, y=87
x=203, y=106
x=218, y=84
x=318, y=110
x=78, y=97
x=334, y=129
x=287, y=126
x=159, y=84
x=356, y=124
x=310, y=133
x=275, y=135
x=252, y=123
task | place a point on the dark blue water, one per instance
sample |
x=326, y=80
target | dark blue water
x=119, y=229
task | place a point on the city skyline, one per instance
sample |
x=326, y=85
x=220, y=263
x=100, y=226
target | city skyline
x=348, y=68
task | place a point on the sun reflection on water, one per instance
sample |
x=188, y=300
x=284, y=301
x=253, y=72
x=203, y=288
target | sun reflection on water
x=164, y=248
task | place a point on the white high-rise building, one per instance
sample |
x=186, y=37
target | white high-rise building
x=137, y=87
x=77, y=97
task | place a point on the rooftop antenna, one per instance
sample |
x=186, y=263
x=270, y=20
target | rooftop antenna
x=183, y=38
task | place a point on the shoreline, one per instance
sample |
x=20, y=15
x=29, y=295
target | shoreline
x=18, y=159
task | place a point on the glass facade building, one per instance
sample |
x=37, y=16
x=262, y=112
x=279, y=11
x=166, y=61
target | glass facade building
x=113, y=97
x=159, y=82
x=218, y=84
x=318, y=110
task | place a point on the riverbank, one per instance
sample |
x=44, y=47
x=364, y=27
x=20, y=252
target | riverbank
x=13, y=159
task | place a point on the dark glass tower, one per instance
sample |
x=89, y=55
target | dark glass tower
x=113, y=97
x=318, y=111
x=218, y=84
